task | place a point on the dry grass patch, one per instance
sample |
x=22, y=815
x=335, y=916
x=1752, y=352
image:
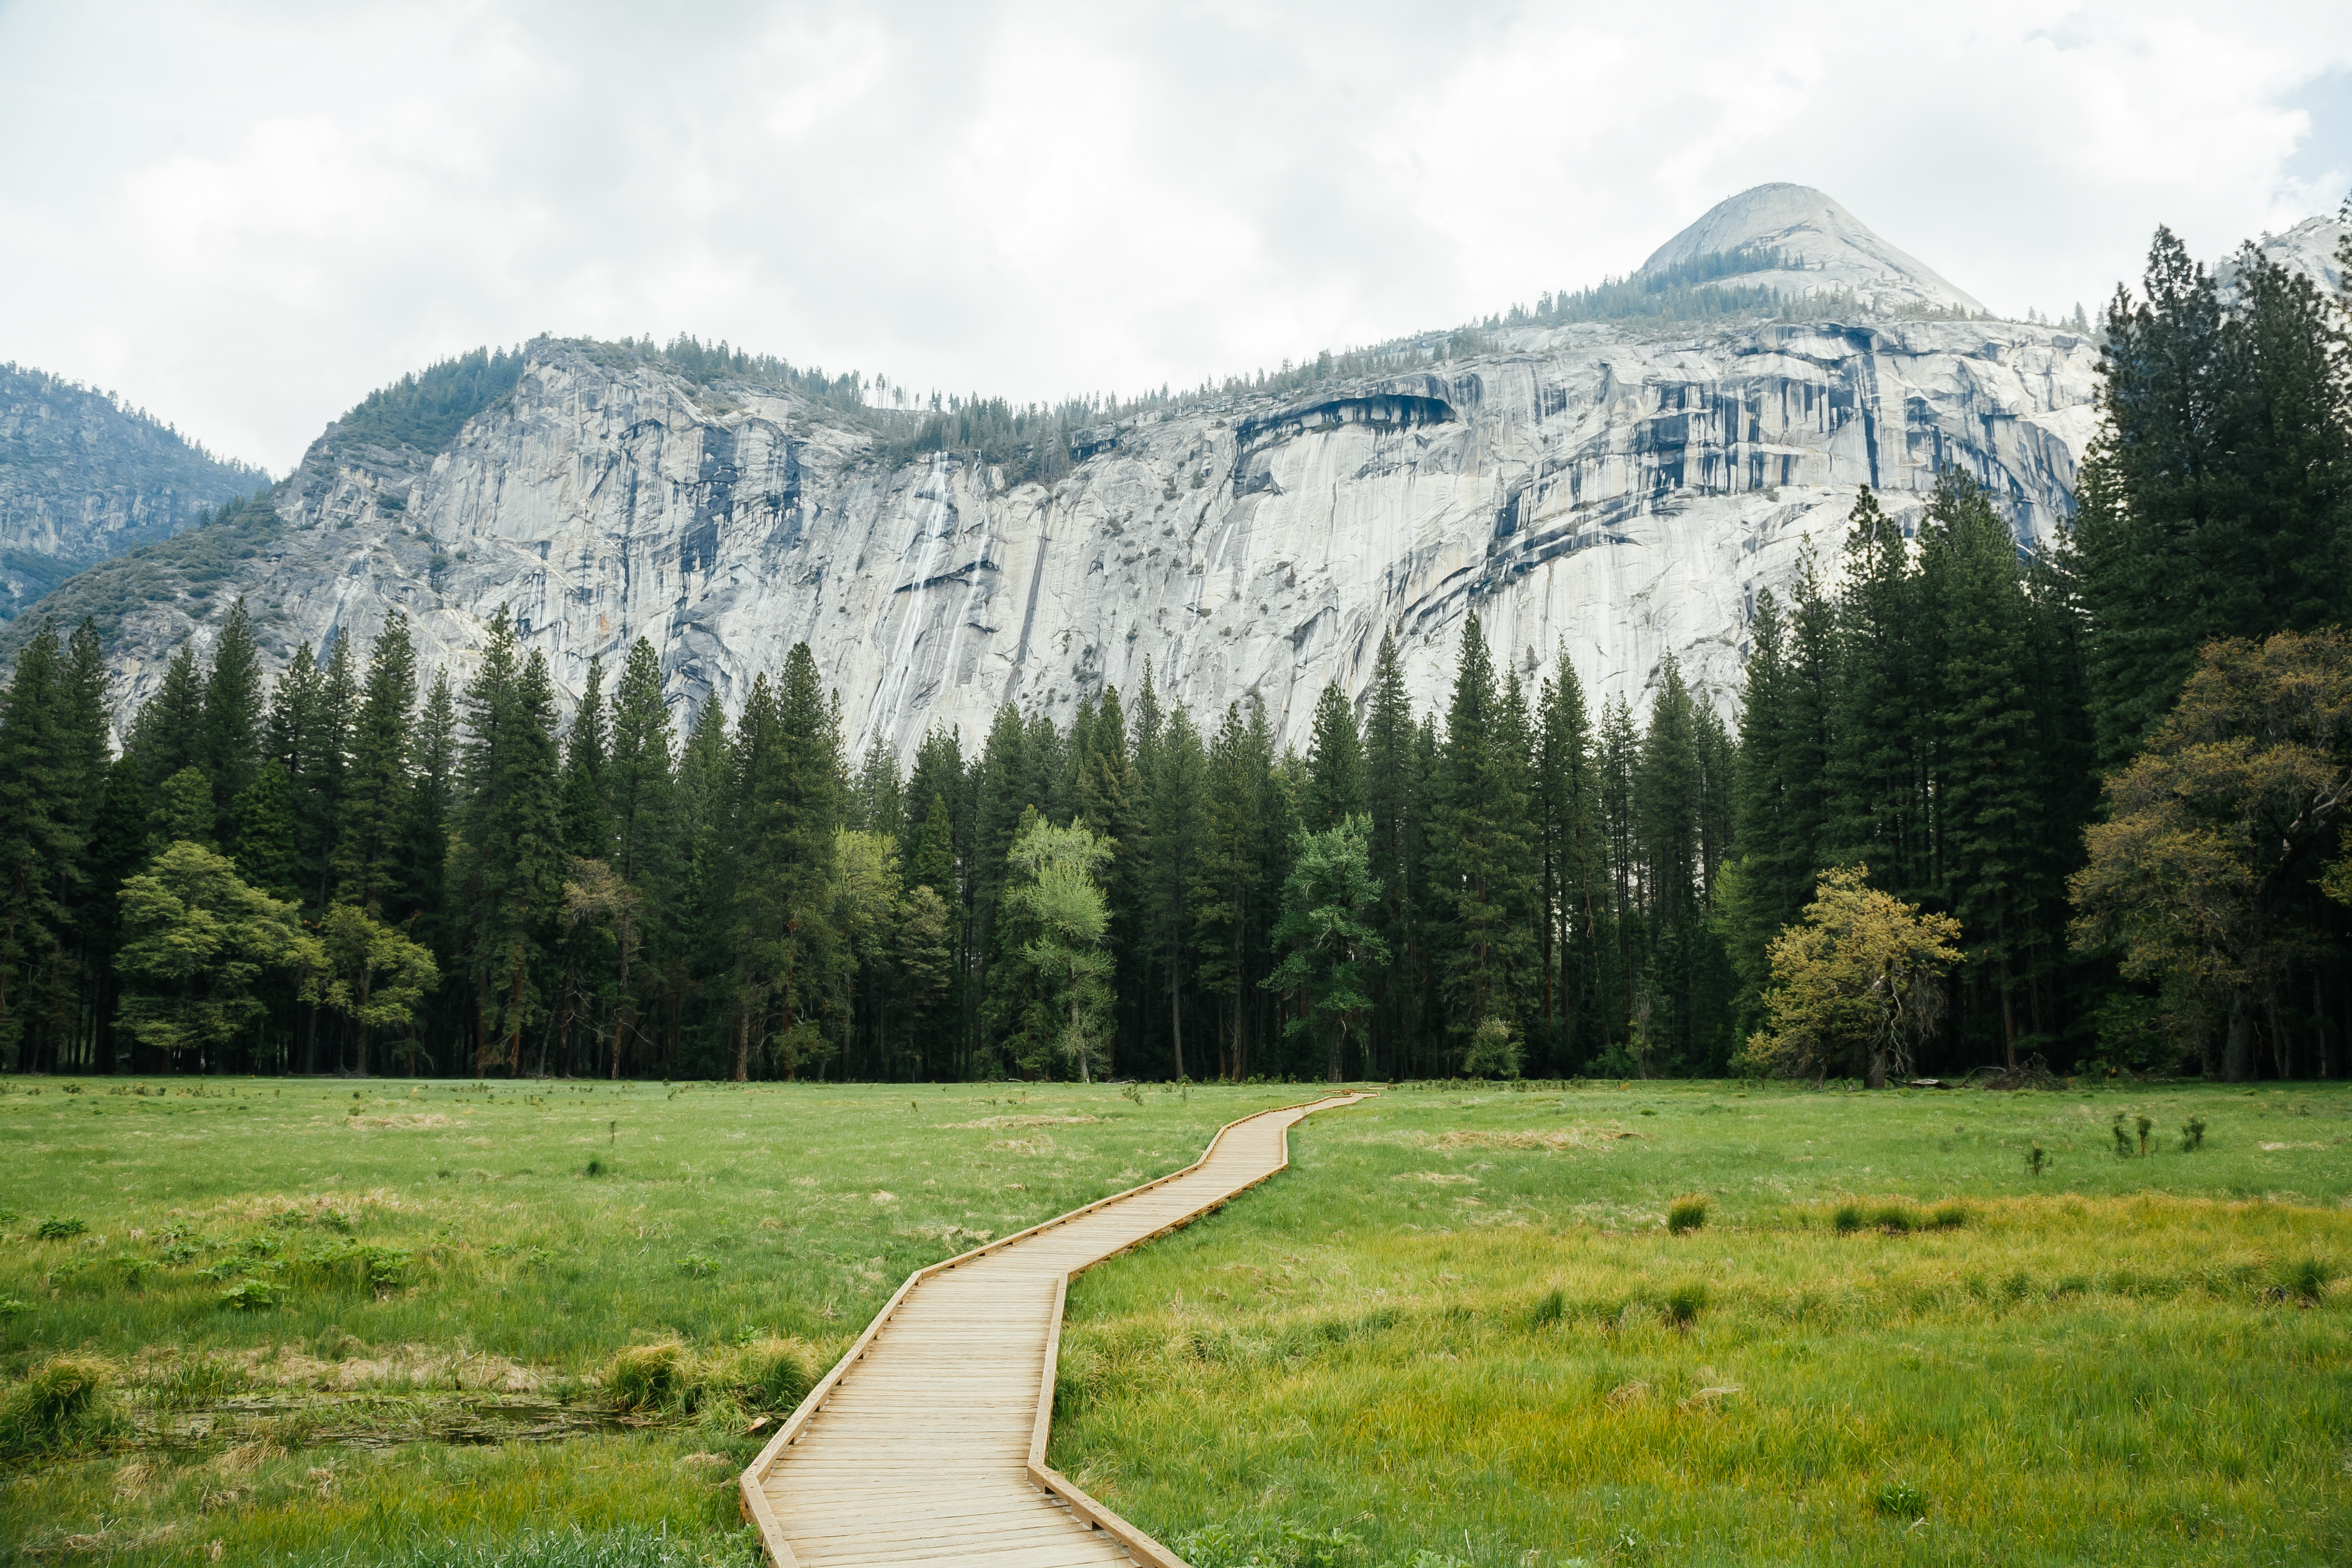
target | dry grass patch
x=995, y=1121
x=1533, y=1138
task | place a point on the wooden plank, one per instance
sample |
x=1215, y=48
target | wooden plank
x=926, y=1441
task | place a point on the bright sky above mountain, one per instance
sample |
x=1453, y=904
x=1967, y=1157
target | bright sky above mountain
x=242, y=217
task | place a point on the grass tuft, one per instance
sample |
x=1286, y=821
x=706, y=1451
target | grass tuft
x=2306, y=1279
x=1685, y=1302
x=1900, y=1499
x=1685, y=1215
x=649, y=1377
x=1847, y=1220
x=60, y=1229
x=62, y=1400
x=775, y=1373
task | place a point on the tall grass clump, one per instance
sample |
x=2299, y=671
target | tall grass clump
x=1685, y=1215
x=60, y=1402
x=774, y=1374
x=2305, y=1279
x=1685, y=1302
x=649, y=1377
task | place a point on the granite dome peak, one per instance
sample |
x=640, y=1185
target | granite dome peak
x=1838, y=252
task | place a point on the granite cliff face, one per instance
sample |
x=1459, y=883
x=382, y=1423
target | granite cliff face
x=1622, y=494
x=83, y=478
x=1623, y=499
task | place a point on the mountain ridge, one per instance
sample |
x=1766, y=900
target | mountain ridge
x=1621, y=490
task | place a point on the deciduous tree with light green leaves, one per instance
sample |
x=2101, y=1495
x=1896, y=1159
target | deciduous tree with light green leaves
x=1859, y=980
x=197, y=941
x=371, y=974
x=1053, y=882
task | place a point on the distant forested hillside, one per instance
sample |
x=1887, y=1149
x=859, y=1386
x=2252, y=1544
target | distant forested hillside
x=84, y=476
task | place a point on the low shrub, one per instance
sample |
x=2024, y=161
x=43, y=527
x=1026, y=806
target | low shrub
x=1685, y=1215
x=2192, y=1135
x=60, y=1229
x=252, y=1294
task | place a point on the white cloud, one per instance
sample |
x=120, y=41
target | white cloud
x=245, y=216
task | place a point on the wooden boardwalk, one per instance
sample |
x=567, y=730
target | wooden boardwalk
x=925, y=1443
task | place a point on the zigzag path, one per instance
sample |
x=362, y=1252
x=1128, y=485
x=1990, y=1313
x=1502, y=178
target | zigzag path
x=925, y=1443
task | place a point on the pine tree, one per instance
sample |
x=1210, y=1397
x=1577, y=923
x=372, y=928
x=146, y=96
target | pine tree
x=877, y=803
x=40, y=847
x=1881, y=809
x=1989, y=788
x=262, y=819
x=367, y=851
x=787, y=806
x=319, y=790
x=698, y=958
x=640, y=805
x=587, y=830
x=1480, y=878
x=1392, y=803
x=2217, y=497
x=1109, y=800
x=1567, y=818
x=1335, y=765
x=1227, y=873
x=1175, y=830
x=507, y=870
x=169, y=733
x=427, y=814
x=233, y=714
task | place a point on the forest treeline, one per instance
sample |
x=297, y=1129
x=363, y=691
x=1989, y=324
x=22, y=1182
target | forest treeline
x=2106, y=780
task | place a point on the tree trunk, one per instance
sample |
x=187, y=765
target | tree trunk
x=742, y=1043
x=2324, y=1041
x=1176, y=1010
x=2008, y=1017
x=2238, y=1045
x=514, y=1041
x=1876, y=1076
x=626, y=1012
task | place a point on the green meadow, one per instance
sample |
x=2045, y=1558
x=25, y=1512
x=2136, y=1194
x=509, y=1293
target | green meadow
x=1461, y=1330
x=546, y=1324
x=328, y=1322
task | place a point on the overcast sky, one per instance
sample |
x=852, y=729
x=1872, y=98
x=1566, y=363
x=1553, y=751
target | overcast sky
x=243, y=216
